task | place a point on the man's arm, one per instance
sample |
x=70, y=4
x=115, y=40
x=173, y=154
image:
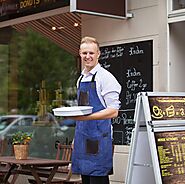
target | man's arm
x=103, y=114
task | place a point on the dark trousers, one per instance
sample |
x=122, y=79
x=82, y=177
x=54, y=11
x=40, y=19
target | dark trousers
x=95, y=179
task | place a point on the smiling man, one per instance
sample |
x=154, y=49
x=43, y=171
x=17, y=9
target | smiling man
x=97, y=87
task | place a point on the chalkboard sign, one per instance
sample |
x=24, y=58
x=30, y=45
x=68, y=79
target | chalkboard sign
x=171, y=155
x=160, y=129
x=167, y=108
x=131, y=64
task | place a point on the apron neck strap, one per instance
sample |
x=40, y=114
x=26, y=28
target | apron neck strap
x=93, y=77
x=80, y=78
x=92, y=80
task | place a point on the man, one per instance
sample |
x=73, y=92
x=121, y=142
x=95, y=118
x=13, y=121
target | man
x=92, y=153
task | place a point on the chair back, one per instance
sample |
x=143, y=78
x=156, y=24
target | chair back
x=64, y=152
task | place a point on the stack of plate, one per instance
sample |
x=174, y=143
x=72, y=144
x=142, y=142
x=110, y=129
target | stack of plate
x=73, y=111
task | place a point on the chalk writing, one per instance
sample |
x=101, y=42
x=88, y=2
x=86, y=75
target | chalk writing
x=132, y=72
x=135, y=50
x=123, y=119
x=113, y=52
x=106, y=65
x=128, y=134
x=131, y=64
x=130, y=98
x=134, y=84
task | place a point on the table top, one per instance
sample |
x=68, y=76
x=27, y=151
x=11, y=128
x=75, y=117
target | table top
x=33, y=161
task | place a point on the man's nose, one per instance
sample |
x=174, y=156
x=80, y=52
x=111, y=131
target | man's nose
x=88, y=55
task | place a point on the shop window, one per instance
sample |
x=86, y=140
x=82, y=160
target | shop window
x=36, y=75
x=178, y=4
x=176, y=8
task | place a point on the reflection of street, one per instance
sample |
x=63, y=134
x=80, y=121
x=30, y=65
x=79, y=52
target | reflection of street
x=46, y=131
x=43, y=142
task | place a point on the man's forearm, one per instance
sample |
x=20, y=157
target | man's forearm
x=103, y=114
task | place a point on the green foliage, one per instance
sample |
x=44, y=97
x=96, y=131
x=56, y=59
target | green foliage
x=21, y=138
x=3, y=77
x=29, y=59
x=40, y=59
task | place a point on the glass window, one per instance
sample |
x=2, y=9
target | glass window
x=36, y=75
x=178, y=4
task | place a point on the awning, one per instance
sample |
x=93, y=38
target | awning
x=63, y=29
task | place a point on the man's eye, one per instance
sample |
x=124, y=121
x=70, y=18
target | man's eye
x=85, y=53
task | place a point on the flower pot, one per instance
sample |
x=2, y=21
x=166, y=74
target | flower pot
x=21, y=151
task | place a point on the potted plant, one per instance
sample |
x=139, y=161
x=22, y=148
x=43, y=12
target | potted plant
x=20, y=141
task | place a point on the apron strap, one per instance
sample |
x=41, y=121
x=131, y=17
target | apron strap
x=80, y=79
x=92, y=81
x=93, y=77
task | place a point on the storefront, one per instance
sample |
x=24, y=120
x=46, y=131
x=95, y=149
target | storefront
x=39, y=47
x=142, y=46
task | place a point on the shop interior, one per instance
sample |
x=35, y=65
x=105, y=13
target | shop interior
x=39, y=66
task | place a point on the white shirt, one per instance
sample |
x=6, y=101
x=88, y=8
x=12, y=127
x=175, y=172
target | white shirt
x=107, y=87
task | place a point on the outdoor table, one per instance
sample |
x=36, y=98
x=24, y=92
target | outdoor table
x=31, y=167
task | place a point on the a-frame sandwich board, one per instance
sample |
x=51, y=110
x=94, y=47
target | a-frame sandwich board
x=157, y=150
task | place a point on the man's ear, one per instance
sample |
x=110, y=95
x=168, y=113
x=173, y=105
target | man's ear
x=99, y=54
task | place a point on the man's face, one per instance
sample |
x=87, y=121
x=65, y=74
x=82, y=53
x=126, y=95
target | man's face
x=89, y=54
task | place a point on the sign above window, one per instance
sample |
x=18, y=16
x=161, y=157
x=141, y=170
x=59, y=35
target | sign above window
x=11, y=9
x=108, y=8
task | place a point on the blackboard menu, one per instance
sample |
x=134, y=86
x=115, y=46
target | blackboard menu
x=171, y=155
x=131, y=64
x=167, y=108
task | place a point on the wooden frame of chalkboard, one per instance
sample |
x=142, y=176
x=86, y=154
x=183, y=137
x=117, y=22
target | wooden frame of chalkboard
x=158, y=141
x=132, y=65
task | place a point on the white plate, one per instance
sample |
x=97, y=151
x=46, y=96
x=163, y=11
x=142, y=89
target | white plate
x=73, y=111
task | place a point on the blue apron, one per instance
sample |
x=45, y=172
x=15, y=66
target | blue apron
x=92, y=153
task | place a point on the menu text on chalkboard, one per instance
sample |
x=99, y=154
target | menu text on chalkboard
x=132, y=65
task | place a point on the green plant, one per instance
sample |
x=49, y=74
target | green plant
x=21, y=138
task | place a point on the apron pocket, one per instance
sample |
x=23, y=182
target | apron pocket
x=92, y=146
x=83, y=98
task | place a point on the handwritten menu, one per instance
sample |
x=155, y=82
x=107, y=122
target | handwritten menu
x=171, y=154
x=167, y=108
x=131, y=64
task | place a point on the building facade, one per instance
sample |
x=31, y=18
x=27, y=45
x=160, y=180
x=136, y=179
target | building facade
x=159, y=22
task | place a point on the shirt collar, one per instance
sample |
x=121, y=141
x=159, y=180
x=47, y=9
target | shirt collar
x=93, y=71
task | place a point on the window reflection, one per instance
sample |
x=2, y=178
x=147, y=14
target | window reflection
x=178, y=4
x=36, y=76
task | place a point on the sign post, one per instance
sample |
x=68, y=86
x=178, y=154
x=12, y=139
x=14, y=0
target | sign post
x=157, y=151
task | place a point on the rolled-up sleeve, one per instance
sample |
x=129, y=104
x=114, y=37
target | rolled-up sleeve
x=111, y=90
x=112, y=100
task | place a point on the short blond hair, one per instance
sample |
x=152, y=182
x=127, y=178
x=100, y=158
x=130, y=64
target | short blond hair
x=88, y=39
